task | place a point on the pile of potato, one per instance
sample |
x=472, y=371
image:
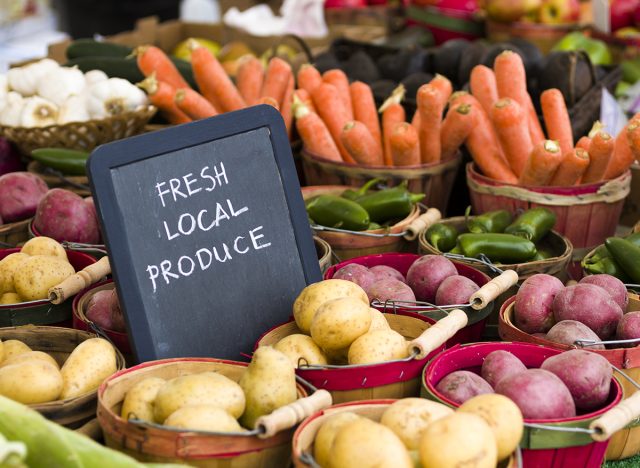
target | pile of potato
x=210, y=401
x=486, y=429
x=340, y=327
x=32, y=377
x=27, y=275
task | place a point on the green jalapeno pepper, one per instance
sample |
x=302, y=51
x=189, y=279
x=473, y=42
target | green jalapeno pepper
x=542, y=254
x=442, y=236
x=492, y=221
x=71, y=162
x=456, y=250
x=351, y=194
x=373, y=226
x=505, y=248
x=533, y=224
x=395, y=202
x=607, y=266
x=334, y=211
x=627, y=255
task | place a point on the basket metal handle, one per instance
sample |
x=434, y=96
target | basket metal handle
x=438, y=334
x=81, y=280
x=490, y=291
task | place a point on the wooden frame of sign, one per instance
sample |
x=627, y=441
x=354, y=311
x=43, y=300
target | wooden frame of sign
x=207, y=233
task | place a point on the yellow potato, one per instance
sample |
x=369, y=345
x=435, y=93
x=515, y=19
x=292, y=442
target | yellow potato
x=13, y=348
x=378, y=346
x=367, y=444
x=314, y=295
x=28, y=356
x=85, y=369
x=31, y=382
x=327, y=434
x=1, y=350
x=8, y=266
x=39, y=273
x=206, y=388
x=139, y=400
x=410, y=417
x=44, y=246
x=301, y=349
x=203, y=418
x=339, y=322
x=461, y=439
x=503, y=416
x=378, y=321
x=10, y=298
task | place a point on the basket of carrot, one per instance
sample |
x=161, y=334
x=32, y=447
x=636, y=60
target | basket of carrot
x=517, y=166
x=347, y=141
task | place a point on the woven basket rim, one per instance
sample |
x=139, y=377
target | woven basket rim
x=16, y=225
x=78, y=311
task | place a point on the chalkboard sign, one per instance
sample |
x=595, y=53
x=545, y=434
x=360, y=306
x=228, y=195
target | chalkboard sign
x=207, y=233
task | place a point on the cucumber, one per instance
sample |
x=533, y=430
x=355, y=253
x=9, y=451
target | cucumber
x=71, y=162
x=92, y=48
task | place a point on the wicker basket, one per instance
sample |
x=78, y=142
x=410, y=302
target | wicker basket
x=59, y=343
x=544, y=36
x=323, y=249
x=54, y=179
x=83, y=136
x=13, y=234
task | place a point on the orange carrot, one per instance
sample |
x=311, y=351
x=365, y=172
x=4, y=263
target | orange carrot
x=304, y=97
x=633, y=135
x=309, y=78
x=572, y=167
x=483, y=86
x=152, y=59
x=285, y=108
x=249, y=79
x=430, y=105
x=213, y=81
x=269, y=101
x=415, y=120
x=511, y=81
x=621, y=158
x=405, y=145
x=314, y=133
x=462, y=97
x=542, y=163
x=556, y=118
x=194, y=104
x=364, y=109
x=392, y=114
x=161, y=95
x=600, y=151
x=510, y=122
x=484, y=146
x=456, y=127
x=276, y=80
x=338, y=79
x=360, y=143
x=443, y=85
x=584, y=143
x=331, y=108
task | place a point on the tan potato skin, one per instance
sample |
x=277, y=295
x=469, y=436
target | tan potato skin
x=378, y=346
x=8, y=266
x=31, y=382
x=28, y=356
x=43, y=245
x=301, y=349
x=14, y=347
x=139, y=400
x=339, y=322
x=39, y=273
x=327, y=434
x=203, y=418
x=86, y=368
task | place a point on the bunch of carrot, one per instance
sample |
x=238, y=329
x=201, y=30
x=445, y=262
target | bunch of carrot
x=179, y=103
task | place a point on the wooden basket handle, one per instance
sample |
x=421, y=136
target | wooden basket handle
x=81, y=280
x=422, y=222
x=490, y=291
x=616, y=418
x=288, y=416
x=436, y=335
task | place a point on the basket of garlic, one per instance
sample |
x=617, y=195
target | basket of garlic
x=43, y=104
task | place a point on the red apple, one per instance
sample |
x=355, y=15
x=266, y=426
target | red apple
x=559, y=11
x=621, y=13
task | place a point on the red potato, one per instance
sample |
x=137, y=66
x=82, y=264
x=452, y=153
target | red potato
x=427, y=273
x=629, y=328
x=533, y=311
x=116, y=312
x=390, y=289
x=455, y=290
x=614, y=287
x=64, y=216
x=589, y=304
x=92, y=206
x=539, y=394
x=499, y=365
x=460, y=386
x=568, y=331
x=384, y=271
x=356, y=273
x=20, y=193
x=99, y=310
x=587, y=375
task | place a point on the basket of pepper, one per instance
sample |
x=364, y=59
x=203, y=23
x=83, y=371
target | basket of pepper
x=365, y=221
x=619, y=257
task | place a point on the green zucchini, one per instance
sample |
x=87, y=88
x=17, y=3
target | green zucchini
x=93, y=48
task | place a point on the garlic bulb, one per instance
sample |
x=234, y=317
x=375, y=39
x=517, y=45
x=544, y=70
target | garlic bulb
x=74, y=109
x=12, y=112
x=60, y=84
x=25, y=80
x=95, y=76
x=38, y=112
x=4, y=91
x=112, y=97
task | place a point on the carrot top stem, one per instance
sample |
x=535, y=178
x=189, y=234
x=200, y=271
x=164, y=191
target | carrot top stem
x=597, y=126
x=551, y=146
x=396, y=98
x=149, y=84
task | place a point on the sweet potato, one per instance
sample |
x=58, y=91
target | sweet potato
x=587, y=375
x=427, y=273
x=629, y=328
x=539, y=394
x=20, y=193
x=499, y=365
x=589, y=304
x=533, y=311
x=568, y=331
x=390, y=289
x=64, y=216
x=455, y=290
x=614, y=287
x=384, y=271
x=459, y=386
x=356, y=273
